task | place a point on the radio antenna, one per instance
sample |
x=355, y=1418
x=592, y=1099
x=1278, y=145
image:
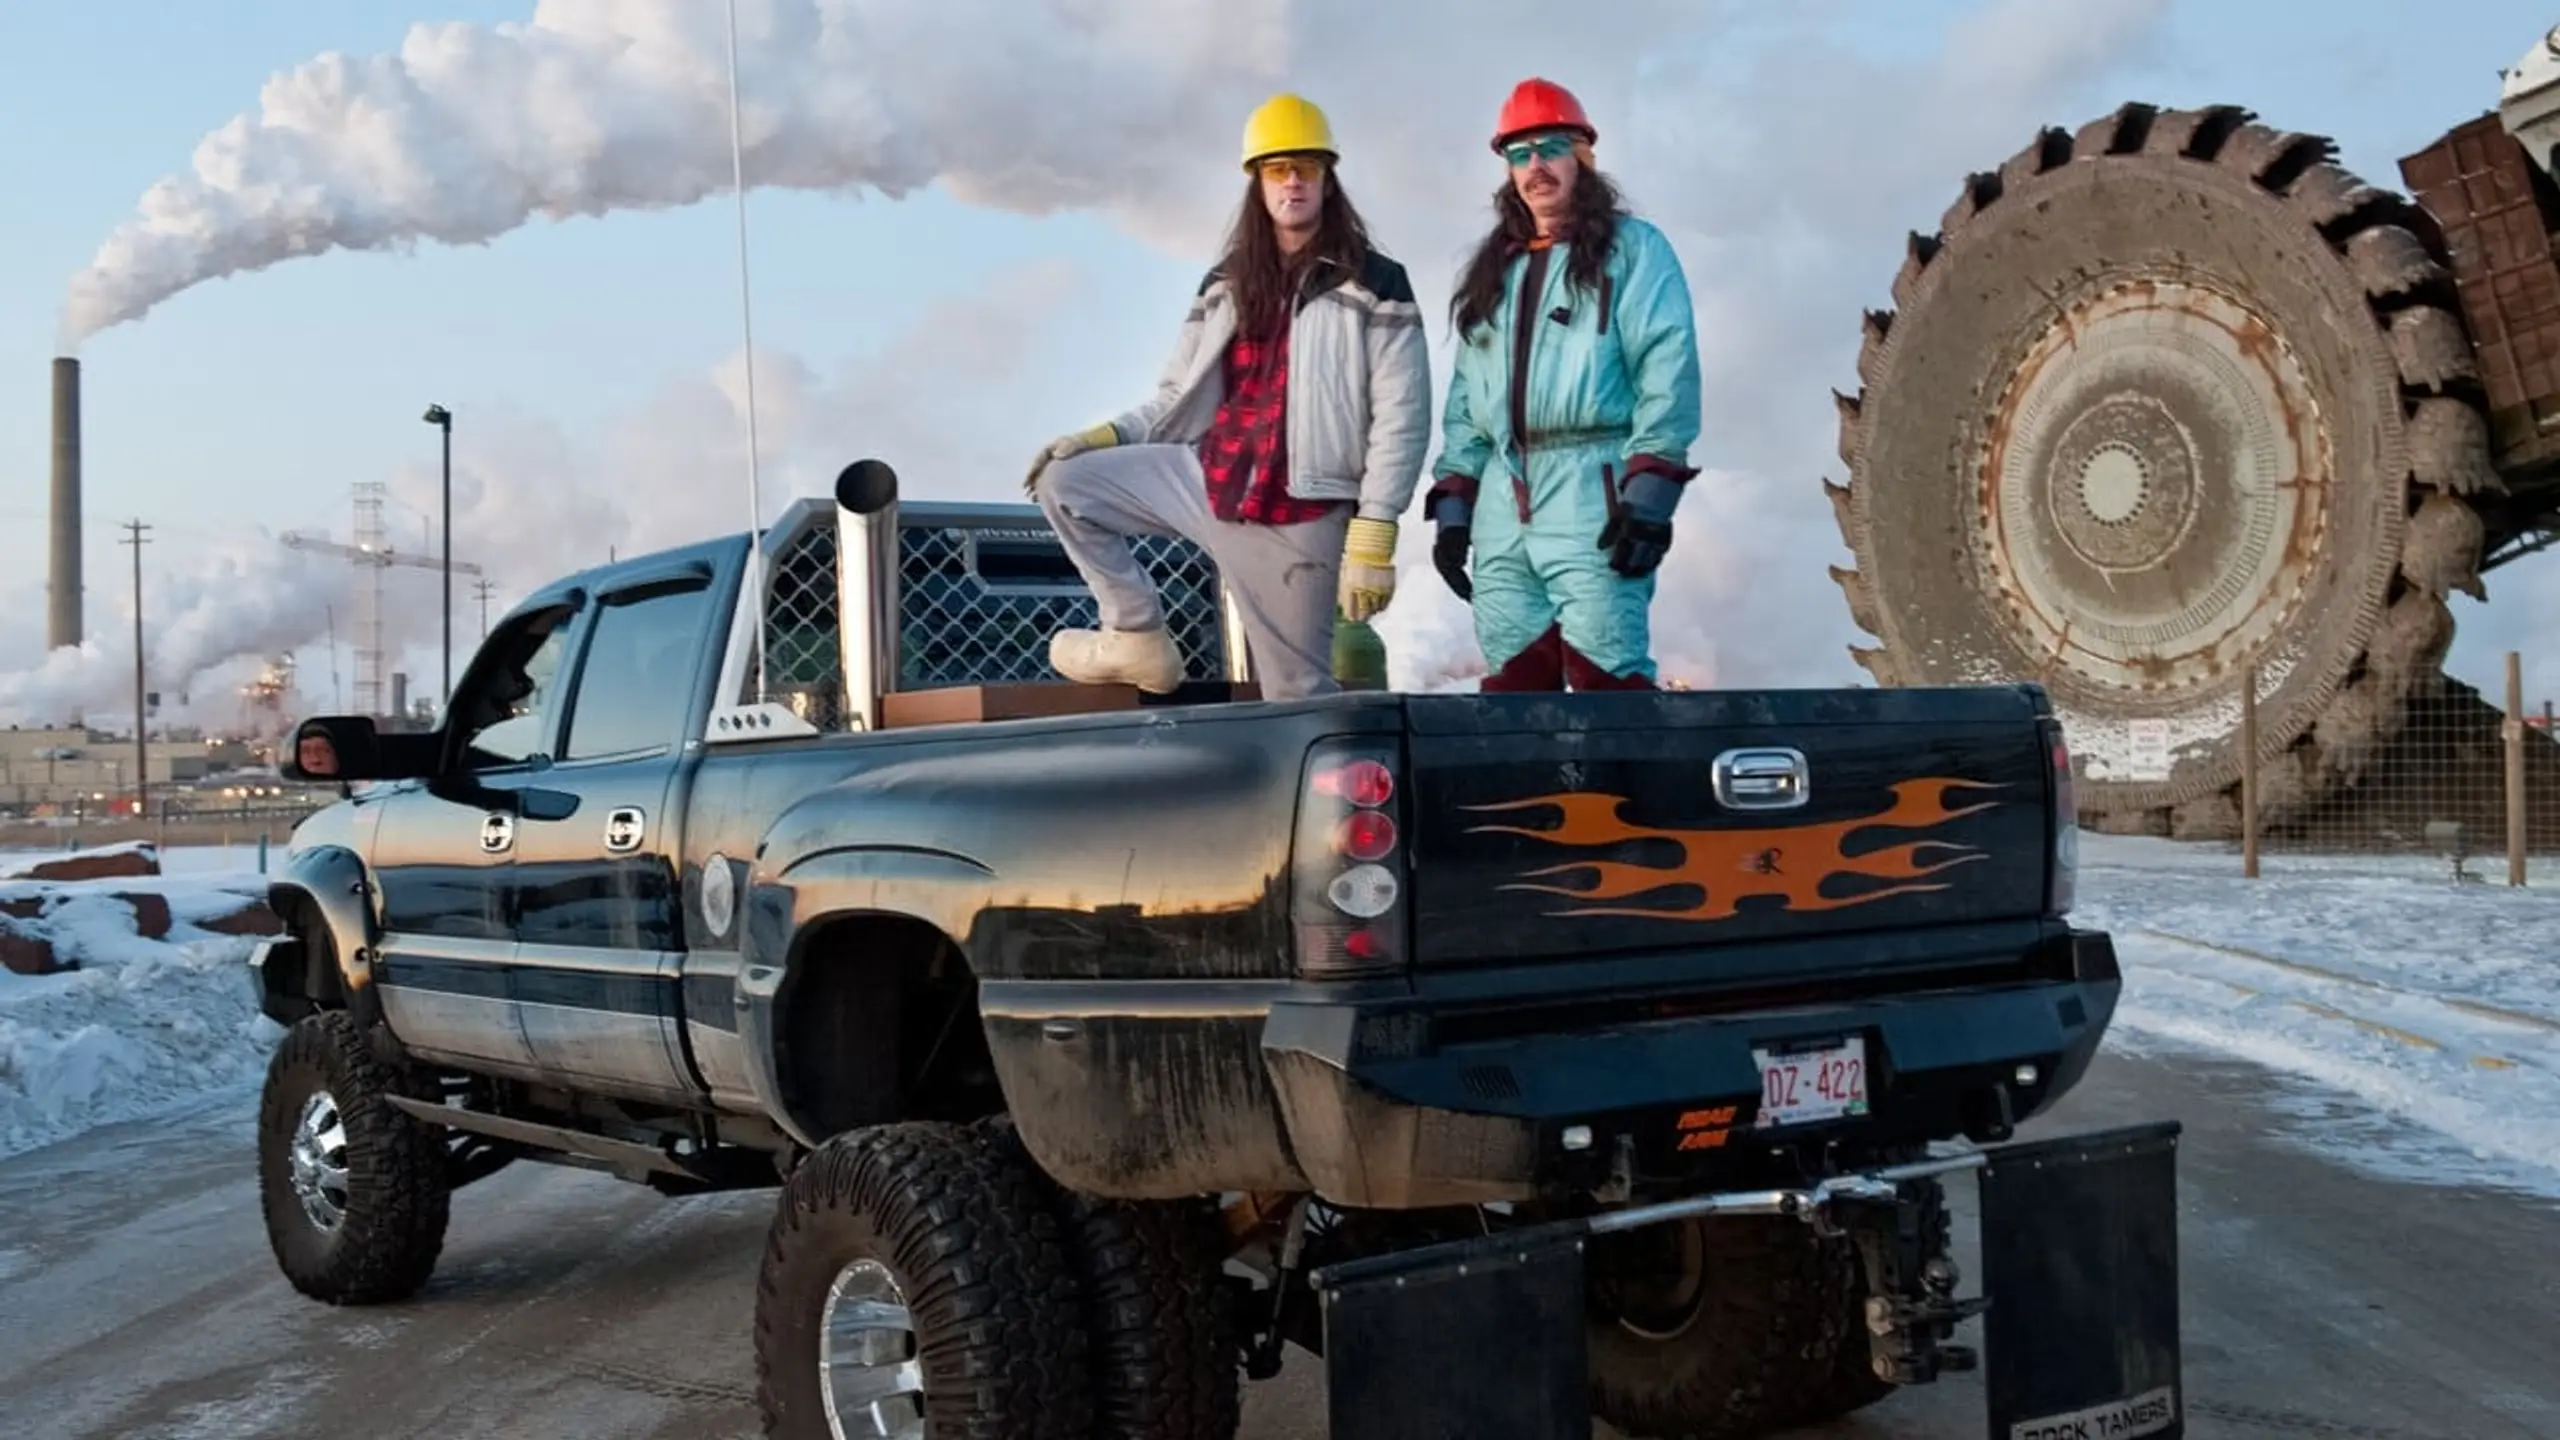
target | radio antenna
x=747, y=326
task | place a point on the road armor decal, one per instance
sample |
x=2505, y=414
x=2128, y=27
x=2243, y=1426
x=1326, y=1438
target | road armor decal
x=1792, y=863
x=1706, y=1129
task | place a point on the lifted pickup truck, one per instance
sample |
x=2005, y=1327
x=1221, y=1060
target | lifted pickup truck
x=1098, y=1041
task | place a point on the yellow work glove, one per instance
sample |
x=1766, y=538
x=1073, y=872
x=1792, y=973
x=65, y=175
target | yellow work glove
x=1099, y=437
x=1368, y=568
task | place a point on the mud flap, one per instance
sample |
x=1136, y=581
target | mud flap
x=1482, y=1339
x=2080, y=1264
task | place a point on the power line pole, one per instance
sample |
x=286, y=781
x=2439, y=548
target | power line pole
x=482, y=588
x=141, y=715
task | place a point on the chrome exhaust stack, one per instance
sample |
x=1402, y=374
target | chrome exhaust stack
x=867, y=581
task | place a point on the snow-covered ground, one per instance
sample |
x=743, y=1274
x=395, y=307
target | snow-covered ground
x=2420, y=1011
x=2420, y=1015
x=142, y=1025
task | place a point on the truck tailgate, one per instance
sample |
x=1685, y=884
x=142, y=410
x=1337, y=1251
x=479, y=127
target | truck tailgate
x=1552, y=826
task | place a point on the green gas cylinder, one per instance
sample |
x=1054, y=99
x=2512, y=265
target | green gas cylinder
x=1359, y=656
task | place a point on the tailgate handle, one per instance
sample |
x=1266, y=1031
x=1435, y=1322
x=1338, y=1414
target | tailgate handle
x=1770, y=779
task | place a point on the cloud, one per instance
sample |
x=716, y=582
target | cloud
x=533, y=500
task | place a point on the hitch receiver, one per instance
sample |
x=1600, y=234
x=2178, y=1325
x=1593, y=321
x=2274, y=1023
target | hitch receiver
x=2079, y=1302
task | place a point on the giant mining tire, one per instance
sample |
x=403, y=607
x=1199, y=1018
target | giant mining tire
x=2162, y=400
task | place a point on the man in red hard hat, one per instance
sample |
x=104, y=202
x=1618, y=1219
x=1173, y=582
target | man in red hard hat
x=1285, y=437
x=1566, y=432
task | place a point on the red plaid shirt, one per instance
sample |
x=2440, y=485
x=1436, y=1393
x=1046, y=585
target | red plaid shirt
x=1245, y=455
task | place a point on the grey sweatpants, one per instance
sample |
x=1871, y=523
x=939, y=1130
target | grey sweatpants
x=1282, y=576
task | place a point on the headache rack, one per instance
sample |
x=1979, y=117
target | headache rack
x=924, y=612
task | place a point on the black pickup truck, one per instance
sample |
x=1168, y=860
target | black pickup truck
x=1080, y=1027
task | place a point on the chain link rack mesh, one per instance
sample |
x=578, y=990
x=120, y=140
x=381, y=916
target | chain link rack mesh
x=802, y=656
x=980, y=587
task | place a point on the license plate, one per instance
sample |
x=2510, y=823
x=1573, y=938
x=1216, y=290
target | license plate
x=1799, y=1086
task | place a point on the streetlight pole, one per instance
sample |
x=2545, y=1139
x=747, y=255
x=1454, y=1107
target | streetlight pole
x=442, y=419
x=141, y=698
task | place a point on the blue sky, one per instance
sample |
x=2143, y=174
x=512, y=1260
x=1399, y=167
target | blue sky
x=249, y=405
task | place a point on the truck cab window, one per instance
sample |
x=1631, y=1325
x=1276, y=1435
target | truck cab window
x=505, y=717
x=635, y=682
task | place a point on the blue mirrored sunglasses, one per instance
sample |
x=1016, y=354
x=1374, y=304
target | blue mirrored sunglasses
x=1545, y=147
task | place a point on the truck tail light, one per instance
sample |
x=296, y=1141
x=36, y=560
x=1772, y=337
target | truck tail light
x=1347, y=871
x=2063, y=884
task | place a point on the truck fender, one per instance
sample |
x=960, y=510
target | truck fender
x=939, y=887
x=783, y=907
x=329, y=883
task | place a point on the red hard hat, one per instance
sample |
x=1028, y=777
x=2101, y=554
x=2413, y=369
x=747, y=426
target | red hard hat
x=1540, y=105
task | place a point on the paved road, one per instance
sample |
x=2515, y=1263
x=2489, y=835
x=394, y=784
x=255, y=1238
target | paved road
x=137, y=1299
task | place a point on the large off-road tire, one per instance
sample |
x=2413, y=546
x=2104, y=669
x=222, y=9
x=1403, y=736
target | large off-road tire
x=941, y=1271
x=1166, y=1356
x=1167, y=1365
x=356, y=1193
x=1717, y=1329
x=2164, y=399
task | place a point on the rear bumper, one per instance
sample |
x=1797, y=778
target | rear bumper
x=1378, y=1112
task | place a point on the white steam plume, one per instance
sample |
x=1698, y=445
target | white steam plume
x=230, y=601
x=594, y=106
x=1129, y=107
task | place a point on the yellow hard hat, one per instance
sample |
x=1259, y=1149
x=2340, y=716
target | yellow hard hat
x=1286, y=123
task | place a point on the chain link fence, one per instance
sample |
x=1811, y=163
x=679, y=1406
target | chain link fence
x=2457, y=777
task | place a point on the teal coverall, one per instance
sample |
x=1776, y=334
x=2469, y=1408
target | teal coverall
x=1612, y=390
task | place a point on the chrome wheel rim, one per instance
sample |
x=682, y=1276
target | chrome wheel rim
x=868, y=1369
x=318, y=1159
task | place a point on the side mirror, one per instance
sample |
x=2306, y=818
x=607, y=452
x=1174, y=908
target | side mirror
x=348, y=749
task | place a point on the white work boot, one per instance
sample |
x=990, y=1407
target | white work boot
x=1144, y=658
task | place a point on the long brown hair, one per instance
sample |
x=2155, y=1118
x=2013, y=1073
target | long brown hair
x=1592, y=226
x=1265, y=278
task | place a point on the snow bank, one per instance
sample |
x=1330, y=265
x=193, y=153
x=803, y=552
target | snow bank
x=141, y=1024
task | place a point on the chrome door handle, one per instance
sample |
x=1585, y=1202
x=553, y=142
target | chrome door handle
x=623, y=830
x=497, y=832
x=1770, y=779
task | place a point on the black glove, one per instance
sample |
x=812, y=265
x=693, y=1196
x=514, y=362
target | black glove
x=1635, y=546
x=1639, y=533
x=1449, y=544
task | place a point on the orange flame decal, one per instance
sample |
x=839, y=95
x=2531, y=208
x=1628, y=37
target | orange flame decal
x=1790, y=863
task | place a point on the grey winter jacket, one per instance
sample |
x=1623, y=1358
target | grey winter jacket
x=1359, y=391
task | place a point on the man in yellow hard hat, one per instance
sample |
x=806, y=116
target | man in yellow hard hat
x=1285, y=436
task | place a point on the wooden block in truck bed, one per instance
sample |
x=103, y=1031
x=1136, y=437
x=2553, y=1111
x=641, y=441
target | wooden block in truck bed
x=958, y=704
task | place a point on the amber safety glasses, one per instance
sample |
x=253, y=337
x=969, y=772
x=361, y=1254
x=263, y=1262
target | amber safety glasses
x=1293, y=167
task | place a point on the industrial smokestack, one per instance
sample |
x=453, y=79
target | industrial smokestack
x=400, y=694
x=62, y=613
